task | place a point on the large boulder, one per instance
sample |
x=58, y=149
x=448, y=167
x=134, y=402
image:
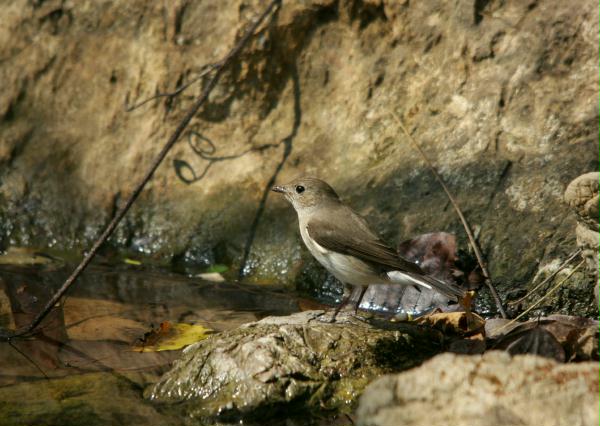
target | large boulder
x=493, y=389
x=300, y=364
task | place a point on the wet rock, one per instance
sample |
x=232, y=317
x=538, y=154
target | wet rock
x=289, y=364
x=582, y=195
x=492, y=389
x=92, y=399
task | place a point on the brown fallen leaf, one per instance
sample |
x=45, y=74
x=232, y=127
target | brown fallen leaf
x=310, y=304
x=531, y=338
x=437, y=254
x=454, y=323
x=105, y=328
x=577, y=336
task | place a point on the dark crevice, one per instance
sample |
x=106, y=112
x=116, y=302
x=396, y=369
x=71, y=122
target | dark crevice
x=365, y=14
x=478, y=9
x=179, y=14
x=432, y=41
x=11, y=113
x=326, y=15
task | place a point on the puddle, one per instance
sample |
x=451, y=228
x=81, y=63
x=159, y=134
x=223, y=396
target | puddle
x=80, y=368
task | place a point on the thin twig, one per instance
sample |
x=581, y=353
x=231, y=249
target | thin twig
x=544, y=297
x=465, y=224
x=140, y=186
x=177, y=91
x=548, y=278
x=24, y=355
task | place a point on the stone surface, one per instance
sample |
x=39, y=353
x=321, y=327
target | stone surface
x=582, y=195
x=93, y=399
x=492, y=389
x=503, y=96
x=287, y=365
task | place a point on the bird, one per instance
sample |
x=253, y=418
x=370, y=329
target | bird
x=342, y=241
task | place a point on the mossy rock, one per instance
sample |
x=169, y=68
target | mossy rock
x=299, y=363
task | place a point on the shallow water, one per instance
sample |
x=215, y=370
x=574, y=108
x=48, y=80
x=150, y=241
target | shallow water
x=80, y=367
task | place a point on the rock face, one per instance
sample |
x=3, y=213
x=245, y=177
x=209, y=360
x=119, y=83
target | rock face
x=295, y=364
x=492, y=389
x=503, y=96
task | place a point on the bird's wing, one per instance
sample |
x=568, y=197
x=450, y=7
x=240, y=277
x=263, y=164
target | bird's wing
x=352, y=236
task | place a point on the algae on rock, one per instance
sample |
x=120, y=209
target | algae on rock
x=296, y=364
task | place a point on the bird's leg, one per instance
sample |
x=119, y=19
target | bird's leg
x=345, y=298
x=363, y=290
x=466, y=303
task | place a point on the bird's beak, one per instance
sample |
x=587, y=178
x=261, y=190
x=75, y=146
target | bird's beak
x=278, y=189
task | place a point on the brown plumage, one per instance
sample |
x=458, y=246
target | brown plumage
x=342, y=241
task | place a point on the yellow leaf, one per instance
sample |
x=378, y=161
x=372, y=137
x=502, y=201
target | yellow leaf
x=453, y=322
x=132, y=262
x=171, y=337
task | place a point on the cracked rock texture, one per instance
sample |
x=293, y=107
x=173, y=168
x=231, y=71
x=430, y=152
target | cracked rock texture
x=582, y=196
x=294, y=364
x=492, y=389
x=502, y=95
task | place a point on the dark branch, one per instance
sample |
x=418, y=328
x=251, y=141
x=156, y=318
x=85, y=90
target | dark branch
x=208, y=69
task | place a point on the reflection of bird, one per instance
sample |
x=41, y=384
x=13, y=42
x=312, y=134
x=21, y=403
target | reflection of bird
x=343, y=243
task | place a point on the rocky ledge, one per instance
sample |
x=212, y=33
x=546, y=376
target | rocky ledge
x=303, y=365
x=491, y=389
x=298, y=363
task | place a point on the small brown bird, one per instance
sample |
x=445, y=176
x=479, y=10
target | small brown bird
x=341, y=240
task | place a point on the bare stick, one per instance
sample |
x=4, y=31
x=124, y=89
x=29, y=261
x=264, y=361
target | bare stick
x=24, y=355
x=177, y=91
x=544, y=297
x=548, y=278
x=140, y=186
x=459, y=212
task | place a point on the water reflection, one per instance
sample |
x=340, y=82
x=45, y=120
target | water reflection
x=92, y=331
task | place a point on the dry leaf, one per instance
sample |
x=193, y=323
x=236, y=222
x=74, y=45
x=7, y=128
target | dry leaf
x=24, y=256
x=105, y=328
x=171, y=337
x=437, y=254
x=211, y=276
x=454, y=323
x=531, y=338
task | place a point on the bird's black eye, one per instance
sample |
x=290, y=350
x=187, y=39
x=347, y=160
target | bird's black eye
x=299, y=189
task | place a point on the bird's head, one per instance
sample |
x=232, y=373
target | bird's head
x=307, y=193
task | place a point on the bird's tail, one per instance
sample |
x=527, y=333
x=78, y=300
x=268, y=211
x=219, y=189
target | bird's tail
x=452, y=291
